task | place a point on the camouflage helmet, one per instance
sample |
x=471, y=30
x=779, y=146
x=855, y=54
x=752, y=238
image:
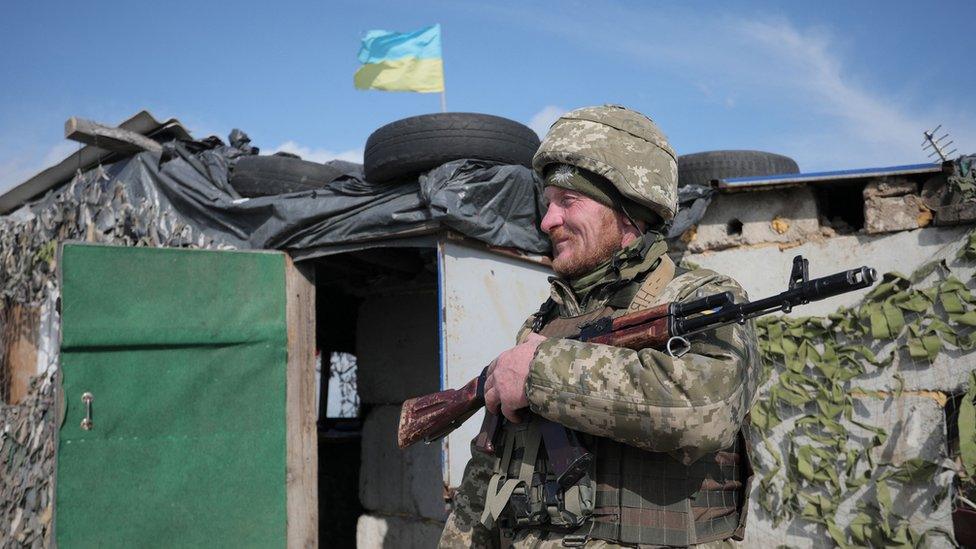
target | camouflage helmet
x=621, y=145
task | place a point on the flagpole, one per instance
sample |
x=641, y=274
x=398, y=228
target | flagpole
x=443, y=79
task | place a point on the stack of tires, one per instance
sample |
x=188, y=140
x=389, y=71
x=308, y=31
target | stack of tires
x=402, y=150
x=397, y=152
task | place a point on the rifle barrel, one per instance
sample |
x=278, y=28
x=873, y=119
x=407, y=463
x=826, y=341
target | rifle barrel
x=799, y=294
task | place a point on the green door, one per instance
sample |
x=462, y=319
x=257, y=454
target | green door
x=184, y=355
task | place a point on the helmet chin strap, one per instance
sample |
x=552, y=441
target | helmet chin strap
x=646, y=239
x=623, y=209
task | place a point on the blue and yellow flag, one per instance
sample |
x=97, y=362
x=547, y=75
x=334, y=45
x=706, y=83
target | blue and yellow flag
x=401, y=61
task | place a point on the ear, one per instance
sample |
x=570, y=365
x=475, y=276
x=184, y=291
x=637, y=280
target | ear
x=628, y=230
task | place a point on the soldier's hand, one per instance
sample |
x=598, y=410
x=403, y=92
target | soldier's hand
x=507, y=375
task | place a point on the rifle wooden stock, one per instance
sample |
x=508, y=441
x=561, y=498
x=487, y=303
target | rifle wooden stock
x=432, y=416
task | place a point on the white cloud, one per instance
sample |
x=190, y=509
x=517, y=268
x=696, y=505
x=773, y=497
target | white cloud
x=24, y=165
x=318, y=155
x=541, y=120
x=859, y=124
x=863, y=125
x=59, y=152
x=820, y=111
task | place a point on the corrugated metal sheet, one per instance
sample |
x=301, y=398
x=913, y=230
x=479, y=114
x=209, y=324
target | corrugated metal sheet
x=763, y=182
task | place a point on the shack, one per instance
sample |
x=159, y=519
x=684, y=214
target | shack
x=859, y=436
x=158, y=351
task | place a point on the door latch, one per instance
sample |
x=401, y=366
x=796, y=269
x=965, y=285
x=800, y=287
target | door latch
x=86, y=423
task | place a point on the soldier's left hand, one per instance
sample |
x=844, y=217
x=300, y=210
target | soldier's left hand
x=507, y=375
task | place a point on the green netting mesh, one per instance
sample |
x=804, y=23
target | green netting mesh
x=830, y=470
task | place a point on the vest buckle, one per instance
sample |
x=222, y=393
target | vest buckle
x=596, y=328
x=552, y=492
x=575, y=540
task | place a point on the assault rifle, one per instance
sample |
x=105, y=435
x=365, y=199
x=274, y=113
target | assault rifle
x=666, y=326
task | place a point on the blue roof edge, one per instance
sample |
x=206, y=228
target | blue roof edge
x=734, y=182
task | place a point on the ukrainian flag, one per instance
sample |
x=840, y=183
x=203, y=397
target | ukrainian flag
x=401, y=61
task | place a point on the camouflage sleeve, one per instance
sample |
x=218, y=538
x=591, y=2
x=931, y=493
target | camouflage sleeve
x=464, y=528
x=686, y=406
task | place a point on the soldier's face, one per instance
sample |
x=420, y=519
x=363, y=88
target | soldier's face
x=584, y=232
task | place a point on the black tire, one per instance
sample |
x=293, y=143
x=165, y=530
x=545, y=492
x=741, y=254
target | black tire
x=404, y=149
x=701, y=168
x=253, y=176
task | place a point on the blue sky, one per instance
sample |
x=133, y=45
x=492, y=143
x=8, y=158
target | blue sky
x=832, y=84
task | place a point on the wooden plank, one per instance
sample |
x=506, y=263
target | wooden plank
x=302, y=453
x=111, y=139
x=18, y=349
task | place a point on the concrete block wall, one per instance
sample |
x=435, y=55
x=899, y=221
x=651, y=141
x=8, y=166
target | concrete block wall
x=949, y=371
x=764, y=271
x=398, y=357
x=893, y=205
x=782, y=216
x=391, y=532
x=402, y=482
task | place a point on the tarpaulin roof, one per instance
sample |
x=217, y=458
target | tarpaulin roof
x=497, y=204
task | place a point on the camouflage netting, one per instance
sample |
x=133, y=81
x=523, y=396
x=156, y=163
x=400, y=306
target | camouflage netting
x=94, y=207
x=849, y=436
x=27, y=445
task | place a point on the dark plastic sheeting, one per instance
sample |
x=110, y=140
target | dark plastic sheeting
x=501, y=205
x=693, y=201
x=497, y=204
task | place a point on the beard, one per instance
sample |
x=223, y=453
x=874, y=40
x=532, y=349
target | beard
x=585, y=255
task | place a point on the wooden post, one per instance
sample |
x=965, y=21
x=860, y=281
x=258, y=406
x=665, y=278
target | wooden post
x=111, y=139
x=302, y=453
x=18, y=350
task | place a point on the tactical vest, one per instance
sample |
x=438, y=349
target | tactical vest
x=629, y=496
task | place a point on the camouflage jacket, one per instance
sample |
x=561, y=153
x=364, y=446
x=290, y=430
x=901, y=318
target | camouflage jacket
x=686, y=406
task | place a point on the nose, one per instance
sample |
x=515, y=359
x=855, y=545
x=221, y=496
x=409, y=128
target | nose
x=552, y=219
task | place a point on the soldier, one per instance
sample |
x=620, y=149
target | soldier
x=670, y=466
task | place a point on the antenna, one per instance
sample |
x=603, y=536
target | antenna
x=936, y=145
